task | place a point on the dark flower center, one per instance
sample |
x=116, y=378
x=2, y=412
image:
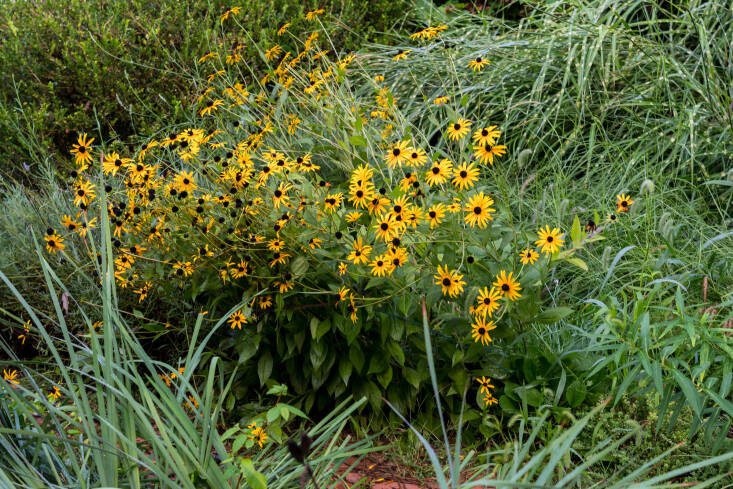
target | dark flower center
x=446, y=281
x=432, y=214
x=380, y=263
x=484, y=133
x=481, y=331
x=436, y=170
x=118, y=162
x=478, y=60
x=414, y=155
x=359, y=194
x=464, y=173
x=456, y=126
x=477, y=210
x=549, y=239
x=396, y=151
x=505, y=287
x=384, y=226
x=278, y=193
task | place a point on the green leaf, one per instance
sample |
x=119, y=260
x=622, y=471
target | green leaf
x=264, y=367
x=299, y=266
x=345, y=368
x=356, y=356
x=688, y=389
x=396, y=351
x=575, y=232
x=576, y=393
x=255, y=480
x=273, y=413
x=553, y=315
x=577, y=262
x=358, y=140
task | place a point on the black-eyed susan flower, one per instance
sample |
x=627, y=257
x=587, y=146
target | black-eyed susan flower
x=333, y=201
x=417, y=157
x=478, y=210
x=228, y=12
x=441, y=100
x=361, y=194
x=237, y=319
x=381, y=266
x=143, y=291
x=439, y=173
x=26, y=330
x=436, y=214
x=184, y=182
x=353, y=216
x=623, y=203
x=478, y=63
x=401, y=54
x=283, y=29
x=54, y=242
x=449, y=280
x=82, y=150
x=528, y=256
x=360, y=252
x=113, y=163
x=83, y=193
x=397, y=256
x=208, y=56
x=273, y=52
x=313, y=14
x=458, y=129
x=485, y=384
x=480, y=330
x=489, y=399
x=486, y=152
x=11, y=376
x=314, y=243
x=182, y=269
x=279, y=258
x=465, y=176
x=507, y=286
x=387, y=227
x=211, y=106
x=487, y=135
x=343, y=268
x=549, y=241
x=399, y=154
x=280, y=195
x=69, y=223
x=265, y=302
x=487, y=301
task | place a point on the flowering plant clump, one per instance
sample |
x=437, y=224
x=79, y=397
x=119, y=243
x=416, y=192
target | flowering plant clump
x=319, y=218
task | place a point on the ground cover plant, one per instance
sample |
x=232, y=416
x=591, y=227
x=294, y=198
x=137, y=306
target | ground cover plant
x=485, y=229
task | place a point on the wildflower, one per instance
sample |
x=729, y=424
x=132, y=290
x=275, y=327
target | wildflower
x=353, y=216
x=343, y=268
x=208, y=56
x=257, y=434
x=480, y=330
x=441, y=100
x=279, y=258
x=54, y=395
x=54, y=242
x=507, y=286
x=377, y=205
x=479, y=210
x=465, y=176
x=387, y=227
x=82, y=150
x=283, y=29
x=184, y=182
x=112, y=163
x=280, y=196
x=380, y=266
x=24, y=335
x=486, y=152
x=182, y=268
x=361, y=194
x=450, y=281
x=612, y=217
x=265, y=302
x=485, y=383
x=487, y=135
x=439, y=173
x=398, y=154
x=211, y=106
x=272, y=53
x=11, y=376
x=458, y=129
x=528, y=256
x=401, y=54
x=360, y=252
x=142, y=292
x=489, y=399
x=84, y=193
x=417, y=157
x=623, y=203
x=435, y=214
x=478, y=63
x=69, y=223
x=549, y=241
x=145, y=148
x=313, y=14
x=488, y=301
x=228, y=12
x=314, y=243
x=237, y=319
x=333, y=201
x=379, y=78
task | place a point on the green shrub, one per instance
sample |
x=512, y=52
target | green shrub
x=70, y=65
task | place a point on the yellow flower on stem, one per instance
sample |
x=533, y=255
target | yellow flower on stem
x=82, y=150
x=450, y=281
x=507, y=286
x=488, y=301
x=548, y=241
x=237, y=319
x=528, y=256
x=458, y=129
x=480, y=330
x=479, y=210
x=623, y=203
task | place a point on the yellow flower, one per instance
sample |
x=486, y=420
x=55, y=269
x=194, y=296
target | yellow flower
x=83, y=194
x=439, y=173
x=528, y=256
x=360, y=252
x=485, y=383
x=11, y=376
x=380, y=266
x=480, y=330
x=82, y=150
x=488, y=302
x=211, y=106
x=184, y=181
x=549, y=241
x=353, y=216
x=486, y=152
x=313, y=14
x=450, y=281
x=465, y=176
x=441, y=100
x=487, y=135
x=435, y=214
x=478, y=63
x=237, y=319
x=54, y=242
x=230, y=11
x=479, y=210
x=343, y=268
x=458, y=129
x=283, y=29
x=507, y=286
x=182, y=268
x=401, y=54
x=623, y=203
x=273, y=52
x=113, y=162
x=399, y=154
x=387, y=227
